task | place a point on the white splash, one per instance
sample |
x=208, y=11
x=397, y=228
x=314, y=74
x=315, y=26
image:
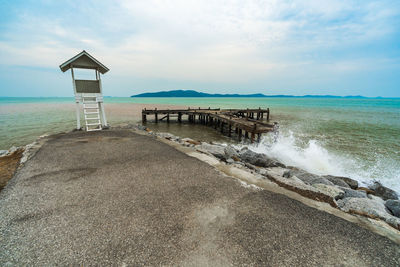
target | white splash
x=314, y=158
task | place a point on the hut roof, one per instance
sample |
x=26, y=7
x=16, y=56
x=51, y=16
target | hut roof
x=83, y=61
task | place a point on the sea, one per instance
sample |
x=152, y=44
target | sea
x=353, y=137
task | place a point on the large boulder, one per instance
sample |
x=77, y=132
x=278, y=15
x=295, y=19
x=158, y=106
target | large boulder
x=373, y=208
x=393, y=206
x=383, y=191
x=322, y=180
x=348, y=192
x=351, y=182
x=336, y=180
x=230, y=152
x=215, y=150
x=330, y=190
x=306, y=177
x=258, y=159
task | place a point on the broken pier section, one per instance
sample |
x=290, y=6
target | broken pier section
x=245, y=123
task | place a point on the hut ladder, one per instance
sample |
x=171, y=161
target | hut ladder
x=91, y=111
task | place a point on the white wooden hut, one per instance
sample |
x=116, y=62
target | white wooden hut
x=88, y=92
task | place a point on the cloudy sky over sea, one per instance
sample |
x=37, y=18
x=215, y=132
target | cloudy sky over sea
x=273, y=47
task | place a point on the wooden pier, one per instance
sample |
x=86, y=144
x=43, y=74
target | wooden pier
x=247, y=123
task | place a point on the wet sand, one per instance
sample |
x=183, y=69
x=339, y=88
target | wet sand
x=8, y=165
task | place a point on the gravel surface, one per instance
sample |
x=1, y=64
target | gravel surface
x=115, y=198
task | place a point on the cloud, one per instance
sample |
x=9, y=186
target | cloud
x=217, y=41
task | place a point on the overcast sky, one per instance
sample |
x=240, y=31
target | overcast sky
x=272, y=47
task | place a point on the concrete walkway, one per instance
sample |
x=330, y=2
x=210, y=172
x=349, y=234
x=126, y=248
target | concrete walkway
x=116, y=198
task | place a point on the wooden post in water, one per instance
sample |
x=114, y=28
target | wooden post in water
x=179, y=117
x=267, y=114
x=240, y=134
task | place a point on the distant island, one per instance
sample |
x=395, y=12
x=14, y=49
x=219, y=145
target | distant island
x=192, y=93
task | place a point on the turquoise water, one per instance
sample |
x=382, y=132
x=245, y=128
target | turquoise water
x=354, y=137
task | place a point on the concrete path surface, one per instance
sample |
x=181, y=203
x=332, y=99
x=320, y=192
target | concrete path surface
x=116, y=198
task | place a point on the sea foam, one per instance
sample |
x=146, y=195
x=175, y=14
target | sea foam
x=313, y=157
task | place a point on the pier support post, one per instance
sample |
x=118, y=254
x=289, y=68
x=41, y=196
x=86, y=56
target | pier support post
x=267, y=114
x=230, y=130
x=168, y=117
x=143, y=117
x=240, y=135
x=179, y=117
x=156, y=117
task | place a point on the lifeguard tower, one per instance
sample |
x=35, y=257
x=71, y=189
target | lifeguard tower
x=88, y=92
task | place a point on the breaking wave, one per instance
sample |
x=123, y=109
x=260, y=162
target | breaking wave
x=313, y=157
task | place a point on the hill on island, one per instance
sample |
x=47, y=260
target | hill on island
x=192, y=93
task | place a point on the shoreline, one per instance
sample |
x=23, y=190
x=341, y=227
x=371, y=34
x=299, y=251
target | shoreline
x=364, y=206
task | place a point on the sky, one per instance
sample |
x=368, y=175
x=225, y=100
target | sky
x=293, y=47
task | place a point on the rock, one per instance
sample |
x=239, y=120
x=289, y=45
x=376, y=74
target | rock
x=375, y=198
x=191, y=141
x=351, y=182
x=168, y=136
x=372, y=208
x=383, y=191
x=322, y=180
x=366, y=190
x=296, y=180
x=257, y=159
x=141, y=127
x=336, y=180
x=348, y=192
x=230, y=152
x=306, y=177
x=230, y=161
x=287, y=174
x=215, y=150
x=3, y=152
x=12, y=150
x=393, y=206
x=330, y=190
x=251, y=166
x=235, y=158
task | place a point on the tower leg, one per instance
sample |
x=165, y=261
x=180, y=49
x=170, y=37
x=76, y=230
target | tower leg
x=103, y=114
x=78, y=117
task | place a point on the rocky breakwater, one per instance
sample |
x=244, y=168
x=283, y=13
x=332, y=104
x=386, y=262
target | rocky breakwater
x=375, y=201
